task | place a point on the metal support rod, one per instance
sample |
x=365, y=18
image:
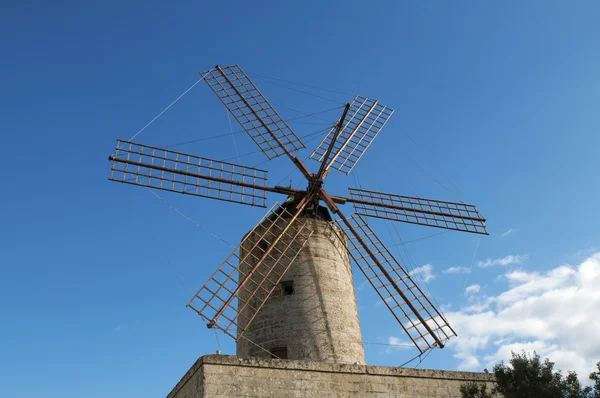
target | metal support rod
x=287, y=152
x=355, y=130
x=390, y=206
x=265, y=254
x=286, y=190
x=315, y=182
x=338, y=129
x=411, y=197
x=385, y=273
x=277, y=189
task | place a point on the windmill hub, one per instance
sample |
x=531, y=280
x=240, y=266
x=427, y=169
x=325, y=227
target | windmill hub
x=313, y=184
x=315, y=211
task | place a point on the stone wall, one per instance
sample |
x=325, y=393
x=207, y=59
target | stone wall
x=230, y=376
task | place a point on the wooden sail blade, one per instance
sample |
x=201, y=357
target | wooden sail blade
x=365, y=119
x=423, y=323
x=239, y=288
x=159, y=168
x=252, y=111
x=434, y=213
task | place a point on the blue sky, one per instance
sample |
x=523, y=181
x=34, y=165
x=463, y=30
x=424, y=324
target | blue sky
x=501, y=100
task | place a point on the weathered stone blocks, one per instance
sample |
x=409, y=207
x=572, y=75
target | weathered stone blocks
x=319, y=320
x=230, y=376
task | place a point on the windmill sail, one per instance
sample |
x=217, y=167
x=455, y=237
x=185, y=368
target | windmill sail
x=234, y=294
x=252, y=111
x=433, y=213
x=159, y=168
x=365, y=119
x=424, y=324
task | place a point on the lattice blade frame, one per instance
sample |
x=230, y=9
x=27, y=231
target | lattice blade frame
x=252, y=111
x=365, y=119
x=159, y=168
x=412, y=317
x=239, y=288
x=433, y=213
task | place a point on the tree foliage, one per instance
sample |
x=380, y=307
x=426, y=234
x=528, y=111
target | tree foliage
x=474, y=390
x=595, y=377
x=528, y=376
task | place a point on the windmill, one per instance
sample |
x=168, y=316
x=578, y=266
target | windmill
x=245, y=282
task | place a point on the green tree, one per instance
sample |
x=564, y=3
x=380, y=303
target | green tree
x=572, y=387
x=528, y=376
x=595, y=377
x=474, y=390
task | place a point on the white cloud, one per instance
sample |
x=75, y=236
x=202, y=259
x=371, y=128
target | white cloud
x=556, y=314
x=586, y=252
x=394, y=340
x=388, y=300
x=362, y=285
x=518, y=277
x=503, y=262
x=425, y=272
x=395, y=343
x=456, y=270
x=469, y=362
x=507, y=233
x=472, y=289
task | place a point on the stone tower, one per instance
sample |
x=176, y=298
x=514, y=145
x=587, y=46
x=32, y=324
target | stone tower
x=312, y=314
